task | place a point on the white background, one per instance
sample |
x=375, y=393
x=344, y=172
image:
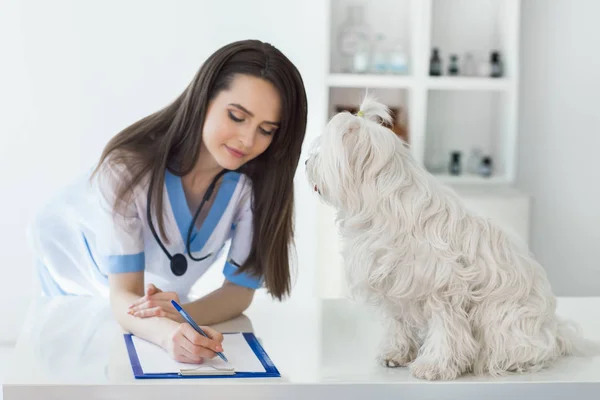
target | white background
x=560, y=139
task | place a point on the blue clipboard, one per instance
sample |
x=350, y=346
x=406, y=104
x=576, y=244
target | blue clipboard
x=270, y=369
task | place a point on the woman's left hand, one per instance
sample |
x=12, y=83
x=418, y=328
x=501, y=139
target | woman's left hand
x=156, y=303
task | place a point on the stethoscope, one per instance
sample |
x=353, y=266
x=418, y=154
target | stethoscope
x=179, y=263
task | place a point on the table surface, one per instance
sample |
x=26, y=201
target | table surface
x=70, y=347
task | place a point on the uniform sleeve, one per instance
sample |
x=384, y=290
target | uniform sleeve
x=241, y=243
x=119, y=243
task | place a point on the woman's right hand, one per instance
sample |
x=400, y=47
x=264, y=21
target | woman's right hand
x=188, y=346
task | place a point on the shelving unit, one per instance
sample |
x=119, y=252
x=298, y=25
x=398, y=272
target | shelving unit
x=454, y=27
x=442, y=113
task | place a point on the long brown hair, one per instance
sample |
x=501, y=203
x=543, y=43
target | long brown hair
x=171, y=139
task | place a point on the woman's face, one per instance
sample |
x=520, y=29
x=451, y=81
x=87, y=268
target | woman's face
x=241, y=121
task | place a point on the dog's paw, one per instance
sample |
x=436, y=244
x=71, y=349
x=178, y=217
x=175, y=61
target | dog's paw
x=433, y=371
x=393, y=359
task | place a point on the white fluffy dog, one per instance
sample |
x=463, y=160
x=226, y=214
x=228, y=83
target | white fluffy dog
x=457, y=293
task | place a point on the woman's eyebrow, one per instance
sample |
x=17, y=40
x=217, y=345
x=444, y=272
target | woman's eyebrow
x=244, y=109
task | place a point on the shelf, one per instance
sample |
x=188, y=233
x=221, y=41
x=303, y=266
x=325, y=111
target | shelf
x=370, y=81
x=471, y=179
x=469, y=83
x=406, y=82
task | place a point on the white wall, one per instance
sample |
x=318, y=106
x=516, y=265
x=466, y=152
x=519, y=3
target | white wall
x=74, y=73
x=560, y=139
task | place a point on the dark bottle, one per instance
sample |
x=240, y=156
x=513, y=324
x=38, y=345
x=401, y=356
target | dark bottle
x=455, y=167
x=453, y=67
x=485, y=169
x=435, y=63
x=496, y=65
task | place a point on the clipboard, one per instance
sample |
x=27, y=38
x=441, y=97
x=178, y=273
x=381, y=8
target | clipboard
x=270, y=371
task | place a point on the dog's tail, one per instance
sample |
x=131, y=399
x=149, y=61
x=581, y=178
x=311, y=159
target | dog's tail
x=373, y=110
x=571, y=341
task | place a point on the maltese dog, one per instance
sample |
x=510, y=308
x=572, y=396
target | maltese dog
x=457, y=294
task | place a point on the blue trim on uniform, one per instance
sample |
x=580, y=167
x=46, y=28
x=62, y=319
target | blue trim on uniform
x=183, y=215
x=49, y=286
x=226, y=189
x=178, y=203
x=240, y=279
x=96, y=271
x=116, y=263
x=126, y=263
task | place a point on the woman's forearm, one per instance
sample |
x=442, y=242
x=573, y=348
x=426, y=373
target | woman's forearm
x=227, y=302
x=156, y=329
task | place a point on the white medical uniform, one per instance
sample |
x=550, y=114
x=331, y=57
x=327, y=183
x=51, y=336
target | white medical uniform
x=78, y=240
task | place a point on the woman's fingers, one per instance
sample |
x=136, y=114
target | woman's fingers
x=150, y=312
x=186, y=357
x=164, y=296
x=213, y=334
x=151, y=289
x=198, y=340
x=196, y=352
x=156, y=312
x=186, y=345
x=156, y=308
x=152, y=303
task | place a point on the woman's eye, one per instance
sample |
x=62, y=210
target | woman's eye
x=266, y=132
x=234, y=118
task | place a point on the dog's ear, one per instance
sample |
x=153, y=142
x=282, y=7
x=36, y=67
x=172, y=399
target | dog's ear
x=333, y=155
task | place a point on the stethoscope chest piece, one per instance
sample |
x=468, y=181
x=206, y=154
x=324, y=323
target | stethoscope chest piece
x=178, y=264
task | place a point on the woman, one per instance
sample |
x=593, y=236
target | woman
x=215, y=167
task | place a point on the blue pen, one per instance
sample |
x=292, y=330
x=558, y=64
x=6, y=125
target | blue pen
x=195, y=325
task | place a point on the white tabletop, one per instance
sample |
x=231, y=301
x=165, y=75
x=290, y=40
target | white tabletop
x=70, y=348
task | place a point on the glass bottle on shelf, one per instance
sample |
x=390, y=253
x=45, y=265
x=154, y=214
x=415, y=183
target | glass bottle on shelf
x=398, y=58
x=485, y=168
x=379, y=59
x=436, y=155
x=353, y=38
x=453, y=67
x=469, y=67
x=361, y=59
x=455, y=163
x=496, y=65
x=435, y=63
x=474, y=160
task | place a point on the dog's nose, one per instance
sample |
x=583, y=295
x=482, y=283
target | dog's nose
x=306, y=161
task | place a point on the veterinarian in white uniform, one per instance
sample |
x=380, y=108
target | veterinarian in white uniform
x=78, y=240
x=227, y=147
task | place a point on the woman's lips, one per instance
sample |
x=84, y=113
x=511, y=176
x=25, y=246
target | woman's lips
x=234, y=152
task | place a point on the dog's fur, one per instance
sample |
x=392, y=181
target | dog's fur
x=458, y=294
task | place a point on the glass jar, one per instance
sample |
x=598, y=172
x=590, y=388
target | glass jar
x=353, y=40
